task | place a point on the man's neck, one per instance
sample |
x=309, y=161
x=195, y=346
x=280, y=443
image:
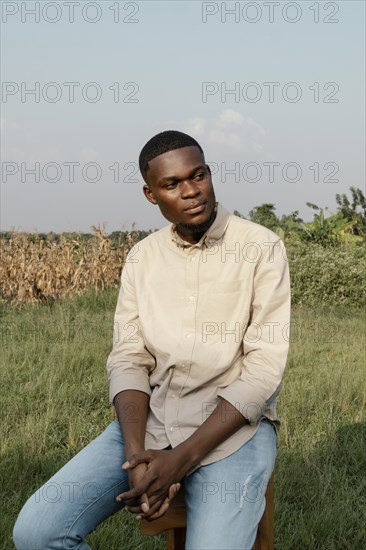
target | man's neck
x=194, y=233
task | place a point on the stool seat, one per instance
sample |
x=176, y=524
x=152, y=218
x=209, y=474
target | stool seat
x=175, y=522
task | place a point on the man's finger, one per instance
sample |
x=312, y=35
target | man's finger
x=136, y=459
x=128, y=498
x=145, y=506
x=133, y=509
x=140, y=507
x=173, y=490
x=156, y=514
x=160, y=512
x=153, y=510
x=137, y=491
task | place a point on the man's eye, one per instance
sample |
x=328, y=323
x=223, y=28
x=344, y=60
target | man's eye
x=171, y=185
x=199, y=176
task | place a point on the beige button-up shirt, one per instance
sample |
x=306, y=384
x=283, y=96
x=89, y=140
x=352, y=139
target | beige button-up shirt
x=196, y=323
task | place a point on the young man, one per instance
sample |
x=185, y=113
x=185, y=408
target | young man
x=199, y=351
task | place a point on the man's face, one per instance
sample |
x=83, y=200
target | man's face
x=180, y=183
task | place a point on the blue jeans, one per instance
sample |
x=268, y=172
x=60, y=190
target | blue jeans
x=224, y=500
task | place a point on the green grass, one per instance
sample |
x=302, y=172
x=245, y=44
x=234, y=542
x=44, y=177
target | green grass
x=54, y=399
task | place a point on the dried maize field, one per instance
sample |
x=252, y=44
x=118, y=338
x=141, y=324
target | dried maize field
x=40, y=269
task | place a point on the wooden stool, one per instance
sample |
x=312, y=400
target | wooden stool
x=175, y=521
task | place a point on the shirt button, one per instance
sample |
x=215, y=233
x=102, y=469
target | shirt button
x=172, y=429
x=189, y=336
x=183, y=365
x=192, y=298
x=193, y=258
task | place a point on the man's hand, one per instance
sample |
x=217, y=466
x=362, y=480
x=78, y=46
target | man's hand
x=160, y=482
x=140, y=503
x=157, y=510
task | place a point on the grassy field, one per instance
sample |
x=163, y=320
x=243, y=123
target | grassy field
x=54, y=400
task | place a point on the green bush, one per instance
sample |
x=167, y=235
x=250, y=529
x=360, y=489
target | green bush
x=327, y=276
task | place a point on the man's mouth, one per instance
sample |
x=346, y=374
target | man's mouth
x=196, y=208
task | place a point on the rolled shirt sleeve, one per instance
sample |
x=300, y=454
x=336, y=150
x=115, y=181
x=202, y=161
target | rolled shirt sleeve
x=266, y=340
x=129, y=363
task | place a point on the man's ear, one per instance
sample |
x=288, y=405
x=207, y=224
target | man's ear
x=149, y=194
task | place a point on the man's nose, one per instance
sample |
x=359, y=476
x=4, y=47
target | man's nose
x=189, y=189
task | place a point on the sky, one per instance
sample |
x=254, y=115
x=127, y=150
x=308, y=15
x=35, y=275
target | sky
x=274, y=92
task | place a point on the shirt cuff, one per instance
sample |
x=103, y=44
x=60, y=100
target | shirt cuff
x=127, y=381
x=238, y=395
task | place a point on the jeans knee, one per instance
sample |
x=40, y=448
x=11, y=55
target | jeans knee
x=29, y=533
x=20, y=534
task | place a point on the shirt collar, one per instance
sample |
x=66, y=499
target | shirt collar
x=214, y=232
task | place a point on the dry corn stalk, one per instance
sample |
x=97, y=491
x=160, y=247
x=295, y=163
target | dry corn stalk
x=37, y=270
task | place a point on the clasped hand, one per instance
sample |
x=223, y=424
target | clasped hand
x=154, y=477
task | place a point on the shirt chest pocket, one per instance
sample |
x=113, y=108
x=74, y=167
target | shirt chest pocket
x=226, y=302
x=228, y=287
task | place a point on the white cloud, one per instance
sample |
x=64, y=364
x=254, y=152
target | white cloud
x=230, y=117
x=196, y=126
x=231, y=131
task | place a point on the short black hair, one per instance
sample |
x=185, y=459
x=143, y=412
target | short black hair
x=162, y=143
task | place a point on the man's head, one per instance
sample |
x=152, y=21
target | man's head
x=163, y=143
x=179, y=182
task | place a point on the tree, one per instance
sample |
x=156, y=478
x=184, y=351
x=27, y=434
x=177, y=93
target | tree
x=327, y=231
x=265, y=215
x=354, y=211
x=347, y=225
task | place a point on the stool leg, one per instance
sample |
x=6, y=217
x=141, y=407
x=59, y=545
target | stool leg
x=176, y=538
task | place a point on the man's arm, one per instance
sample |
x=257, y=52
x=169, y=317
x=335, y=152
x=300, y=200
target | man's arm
x=266, y=340
x=132, y=408
x=129, y=363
